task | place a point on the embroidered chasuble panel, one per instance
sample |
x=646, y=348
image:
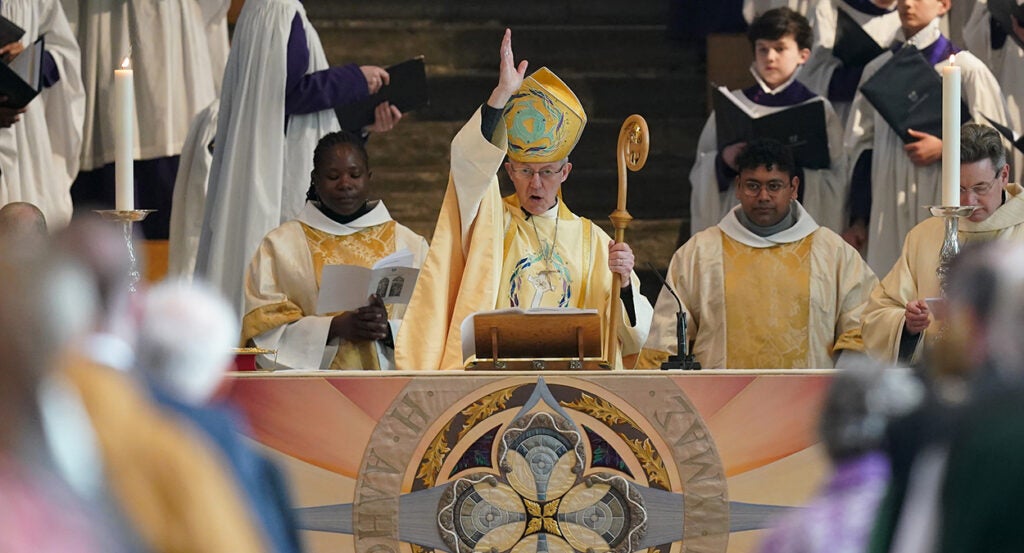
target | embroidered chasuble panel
x=542, y=270
x=767, y=304
x=363, y=249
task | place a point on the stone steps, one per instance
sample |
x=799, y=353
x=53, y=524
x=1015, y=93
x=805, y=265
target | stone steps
x=523, y=11
x=457, y=47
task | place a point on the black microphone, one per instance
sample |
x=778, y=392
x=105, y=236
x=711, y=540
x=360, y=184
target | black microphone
x=683, y=360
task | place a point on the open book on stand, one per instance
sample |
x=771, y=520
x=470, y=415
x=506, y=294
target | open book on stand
x=801, y=127
x=348, y=287
x=21, y=80
x=853, y=46
x=407, y=90
x=907, y=92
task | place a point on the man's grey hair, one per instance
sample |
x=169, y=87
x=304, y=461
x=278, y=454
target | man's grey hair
x=980, y=142
x=185, y=339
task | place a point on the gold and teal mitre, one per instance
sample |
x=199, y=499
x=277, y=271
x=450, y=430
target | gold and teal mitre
x=543, y=119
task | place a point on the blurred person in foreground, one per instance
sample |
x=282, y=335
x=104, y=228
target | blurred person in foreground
x=185, y=340
x=979, y=508
x=860, y=402
x=41, y=512
x=956, y=458
x=172, y=488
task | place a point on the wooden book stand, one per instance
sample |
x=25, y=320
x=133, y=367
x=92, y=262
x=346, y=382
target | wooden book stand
x=537, y=341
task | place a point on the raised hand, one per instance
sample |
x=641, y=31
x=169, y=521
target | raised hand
x=510, y=75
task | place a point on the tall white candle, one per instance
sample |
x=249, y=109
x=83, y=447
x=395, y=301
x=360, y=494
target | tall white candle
x=124, y=136
x=951, y=133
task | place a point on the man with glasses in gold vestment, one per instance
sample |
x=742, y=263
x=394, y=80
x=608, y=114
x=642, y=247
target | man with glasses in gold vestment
x=767, y=287
x=898, y=325
x=527, y=250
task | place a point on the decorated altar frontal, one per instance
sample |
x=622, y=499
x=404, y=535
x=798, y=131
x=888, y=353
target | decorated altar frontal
x=412, y=462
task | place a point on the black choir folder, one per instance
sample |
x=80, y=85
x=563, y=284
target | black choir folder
x=853, y=46
x=907, y=93
x=407, y=91
x=22, y=79
x=9, y=31
x=801, y=127
x=1002, y=11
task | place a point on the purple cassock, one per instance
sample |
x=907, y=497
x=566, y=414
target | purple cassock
x=841, y=517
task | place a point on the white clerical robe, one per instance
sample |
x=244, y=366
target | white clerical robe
x=189, y=197
x=174, y=74
x=262, y=159
x=1007, y=64
x=283, y=283
x=486, y=254
x=789, y=300
x=824, y=190
x=39, y=154
x=913, y=275
x=816, y=74
x=899, y=188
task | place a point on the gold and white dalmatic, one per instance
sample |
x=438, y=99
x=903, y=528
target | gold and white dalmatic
x=486, y=254
x=789, y=300
x=913, y=276
x=283, y=282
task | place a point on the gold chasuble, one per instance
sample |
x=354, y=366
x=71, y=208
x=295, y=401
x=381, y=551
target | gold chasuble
x=789, y=300
x=913, y=276
x=485, y=254
x=757, y=341
x=283, y=283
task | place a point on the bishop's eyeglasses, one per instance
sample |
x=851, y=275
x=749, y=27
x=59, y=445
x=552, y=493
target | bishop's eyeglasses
x=546, y=174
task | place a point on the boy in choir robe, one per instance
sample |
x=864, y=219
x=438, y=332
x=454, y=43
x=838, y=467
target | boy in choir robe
x=277, y=101
x=526, y=250
x=890, y=181
x=1005, y=58
x=767, y=288
x=39, y=145
x=826, y=74
x=781, y=40
x=339, y=225
x=897, y=321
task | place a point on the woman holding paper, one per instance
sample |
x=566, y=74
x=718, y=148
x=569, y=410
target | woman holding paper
x=339, y=225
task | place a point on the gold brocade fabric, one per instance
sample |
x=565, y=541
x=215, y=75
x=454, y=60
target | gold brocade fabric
x=361, y=249
x=767, y=304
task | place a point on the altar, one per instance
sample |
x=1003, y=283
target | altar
x=414, y=462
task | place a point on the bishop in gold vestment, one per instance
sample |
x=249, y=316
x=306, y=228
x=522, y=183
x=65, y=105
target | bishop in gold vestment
x=527, y=250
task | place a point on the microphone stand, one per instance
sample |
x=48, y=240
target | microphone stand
x=683, y=360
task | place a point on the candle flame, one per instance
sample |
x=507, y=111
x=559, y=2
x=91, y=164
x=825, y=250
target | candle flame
x=952, y=59
x=126, y=63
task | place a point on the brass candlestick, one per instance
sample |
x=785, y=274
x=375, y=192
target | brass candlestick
x=127, y=217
